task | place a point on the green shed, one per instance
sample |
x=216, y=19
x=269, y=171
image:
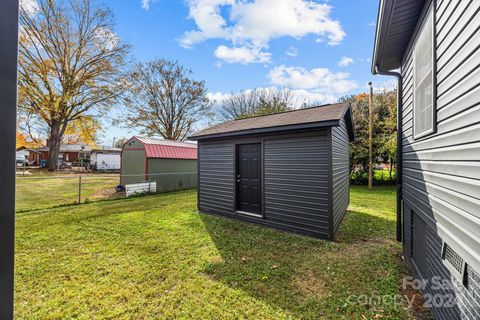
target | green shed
x=171, y=164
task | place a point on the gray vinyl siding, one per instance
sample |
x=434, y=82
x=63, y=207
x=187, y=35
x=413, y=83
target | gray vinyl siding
x=441, y=172
x=216, y=177
x=296, y=177
x=467, y=298
x=340, y=173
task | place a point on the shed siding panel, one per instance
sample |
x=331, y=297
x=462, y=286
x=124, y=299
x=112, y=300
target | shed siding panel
x=134, y=144
x=133, y=166
x=297, y=183
x=173, y=174
x=442, y=171
x=340, y=172
x=216, y=180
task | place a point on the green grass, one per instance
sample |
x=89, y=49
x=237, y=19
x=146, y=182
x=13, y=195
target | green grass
x=48, y=192
x=155, y=257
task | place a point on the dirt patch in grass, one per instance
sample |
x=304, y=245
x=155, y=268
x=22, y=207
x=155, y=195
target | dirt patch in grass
x=107, y=194
x=416, y=307
x=416, y=303
x=310, y=283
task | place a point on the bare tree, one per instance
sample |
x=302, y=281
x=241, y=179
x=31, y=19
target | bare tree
x=261, y=101
x=237, y=105
x=165, y=100
x=70, y=63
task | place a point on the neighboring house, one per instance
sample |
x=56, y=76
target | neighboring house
x=172, y=164
x=435, y=47
x=22, y=152
x=288, y=170
x=68, y=153
x=105, y=158
x=27, y=155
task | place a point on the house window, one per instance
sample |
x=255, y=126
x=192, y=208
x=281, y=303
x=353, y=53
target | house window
x=423, y=74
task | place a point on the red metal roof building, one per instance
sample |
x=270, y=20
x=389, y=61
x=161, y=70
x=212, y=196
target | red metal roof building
x=173, y=164
x=168, y=149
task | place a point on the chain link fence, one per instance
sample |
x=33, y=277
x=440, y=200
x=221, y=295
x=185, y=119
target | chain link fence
x=43, y=192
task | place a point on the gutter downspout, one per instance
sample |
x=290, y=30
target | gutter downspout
x=399, y=145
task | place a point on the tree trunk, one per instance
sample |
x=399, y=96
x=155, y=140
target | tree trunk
x=390, y=169
x=55, y=139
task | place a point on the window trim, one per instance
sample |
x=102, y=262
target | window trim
x=430, y=15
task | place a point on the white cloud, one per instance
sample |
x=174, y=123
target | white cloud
x=217, y=97
x=318, y=85
x=242, y=55
x=253, y=24
x=319, y=80
x=30, y=6
x=364, y=60
x=146, y=4
x=106, y=39
x=385, y=85
x=300, y=97
x=345, y=61
x=314, y=97
x=292, y=52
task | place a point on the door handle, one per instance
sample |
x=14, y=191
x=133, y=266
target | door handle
x=238, y=180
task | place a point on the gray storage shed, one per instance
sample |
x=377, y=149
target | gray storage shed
x=288, y=170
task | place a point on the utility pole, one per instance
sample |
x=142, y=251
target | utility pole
x=370, y=138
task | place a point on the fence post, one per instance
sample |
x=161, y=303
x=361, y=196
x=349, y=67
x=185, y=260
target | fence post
x=79, y=189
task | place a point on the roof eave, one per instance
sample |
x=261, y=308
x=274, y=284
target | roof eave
x=388, y=53
x=384, y=15
x=302, y=126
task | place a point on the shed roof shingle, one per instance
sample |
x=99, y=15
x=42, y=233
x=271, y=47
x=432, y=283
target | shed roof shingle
x=325, y=113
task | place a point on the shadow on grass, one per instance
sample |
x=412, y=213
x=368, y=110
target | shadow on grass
x=307, y=277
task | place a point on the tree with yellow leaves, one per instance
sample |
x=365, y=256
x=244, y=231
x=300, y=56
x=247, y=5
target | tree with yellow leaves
x=70, y=64
x=82, y=130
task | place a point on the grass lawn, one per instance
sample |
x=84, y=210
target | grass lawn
x=47, y=192
x=155, y=257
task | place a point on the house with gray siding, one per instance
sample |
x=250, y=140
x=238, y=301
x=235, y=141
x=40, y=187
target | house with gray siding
x=433, y=48
x=288, y=170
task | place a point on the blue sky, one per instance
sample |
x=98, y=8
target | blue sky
x=319, y=49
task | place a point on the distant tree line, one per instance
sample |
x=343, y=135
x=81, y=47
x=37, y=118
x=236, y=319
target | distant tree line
x=258, y=102
x=74, y=69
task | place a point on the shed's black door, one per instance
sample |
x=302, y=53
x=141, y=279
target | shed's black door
x=249, y=189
